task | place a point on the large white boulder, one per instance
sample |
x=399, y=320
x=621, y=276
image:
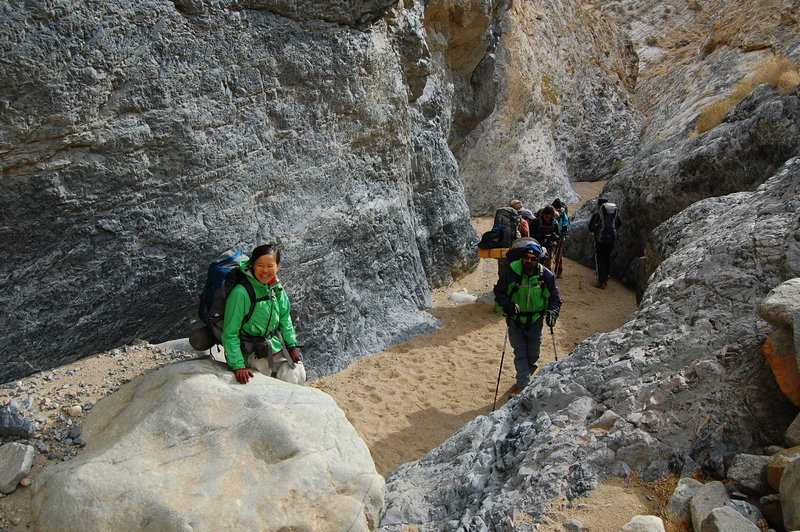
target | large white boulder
x=188, y=448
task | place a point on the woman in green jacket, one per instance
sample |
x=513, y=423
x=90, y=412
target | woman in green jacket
x=260, y=336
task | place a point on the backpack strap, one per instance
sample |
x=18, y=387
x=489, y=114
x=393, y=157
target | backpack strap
x=516, y=287
x=251, y=292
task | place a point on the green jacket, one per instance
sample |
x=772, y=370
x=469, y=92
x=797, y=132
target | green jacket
x=268, y=316
x=533, y=294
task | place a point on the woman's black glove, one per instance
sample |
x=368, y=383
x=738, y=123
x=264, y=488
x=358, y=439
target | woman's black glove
x=550, y=318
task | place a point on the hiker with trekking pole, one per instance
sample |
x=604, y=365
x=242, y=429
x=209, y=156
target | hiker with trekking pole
x=527, y=294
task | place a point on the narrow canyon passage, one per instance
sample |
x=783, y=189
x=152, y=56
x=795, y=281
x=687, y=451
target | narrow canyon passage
x=408, y=399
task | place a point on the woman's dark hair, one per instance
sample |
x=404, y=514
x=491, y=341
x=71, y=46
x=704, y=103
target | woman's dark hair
x=265, y=249
x=548, y=210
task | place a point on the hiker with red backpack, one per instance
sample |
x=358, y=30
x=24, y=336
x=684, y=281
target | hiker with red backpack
x=604, y=224
x=528, y=295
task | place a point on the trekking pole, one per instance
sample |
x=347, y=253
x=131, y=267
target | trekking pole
x=559, y=255
x=502, y=356
x=553, y=336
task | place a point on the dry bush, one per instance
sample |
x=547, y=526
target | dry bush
x=788, y=81
x=781, y=72
x=712, y=115
x=662, y=490
x=774, y=70
x=740, y=89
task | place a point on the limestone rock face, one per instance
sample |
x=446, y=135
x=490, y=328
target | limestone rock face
x=186, y=447
x=682, y=385
x=735, y=156
x=563, y=107
x=691, y=53
x=141, y=139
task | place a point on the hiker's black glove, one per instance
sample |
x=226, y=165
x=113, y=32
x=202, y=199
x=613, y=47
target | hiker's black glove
x=262, y=350
x=511, y=309
x=550, y=318
x=295, y=354
x=243, y=375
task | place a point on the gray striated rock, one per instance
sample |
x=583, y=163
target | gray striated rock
x=677, y=508
x=685, y=376
x=737, y=155
x=140, y=139
x=750, y=472
x=711, y=496
x=16, y=460
x=573, y=525
x=746, y=510
x=13, y=422
x=790, y=496
x=187, y=447
x=726, y=519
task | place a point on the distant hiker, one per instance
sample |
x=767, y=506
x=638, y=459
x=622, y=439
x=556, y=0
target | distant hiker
x=528, y=295
x=604, y=224
x=545, y=230
x=523, y=224
x=526, y=217
x=562, y=222
x=269, y=328
x=507, y=220
x=562, y=219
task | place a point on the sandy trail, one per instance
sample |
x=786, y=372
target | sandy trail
x=408, y=399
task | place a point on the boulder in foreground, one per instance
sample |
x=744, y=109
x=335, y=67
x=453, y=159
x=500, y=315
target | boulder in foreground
x=187, y=448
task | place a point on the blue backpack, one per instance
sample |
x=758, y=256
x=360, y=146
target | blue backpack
x=223, y=274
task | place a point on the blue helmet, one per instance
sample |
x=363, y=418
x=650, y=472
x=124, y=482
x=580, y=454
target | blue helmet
x=534, y=249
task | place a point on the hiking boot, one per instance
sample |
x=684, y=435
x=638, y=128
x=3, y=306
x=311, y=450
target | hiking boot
x=515, y=392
